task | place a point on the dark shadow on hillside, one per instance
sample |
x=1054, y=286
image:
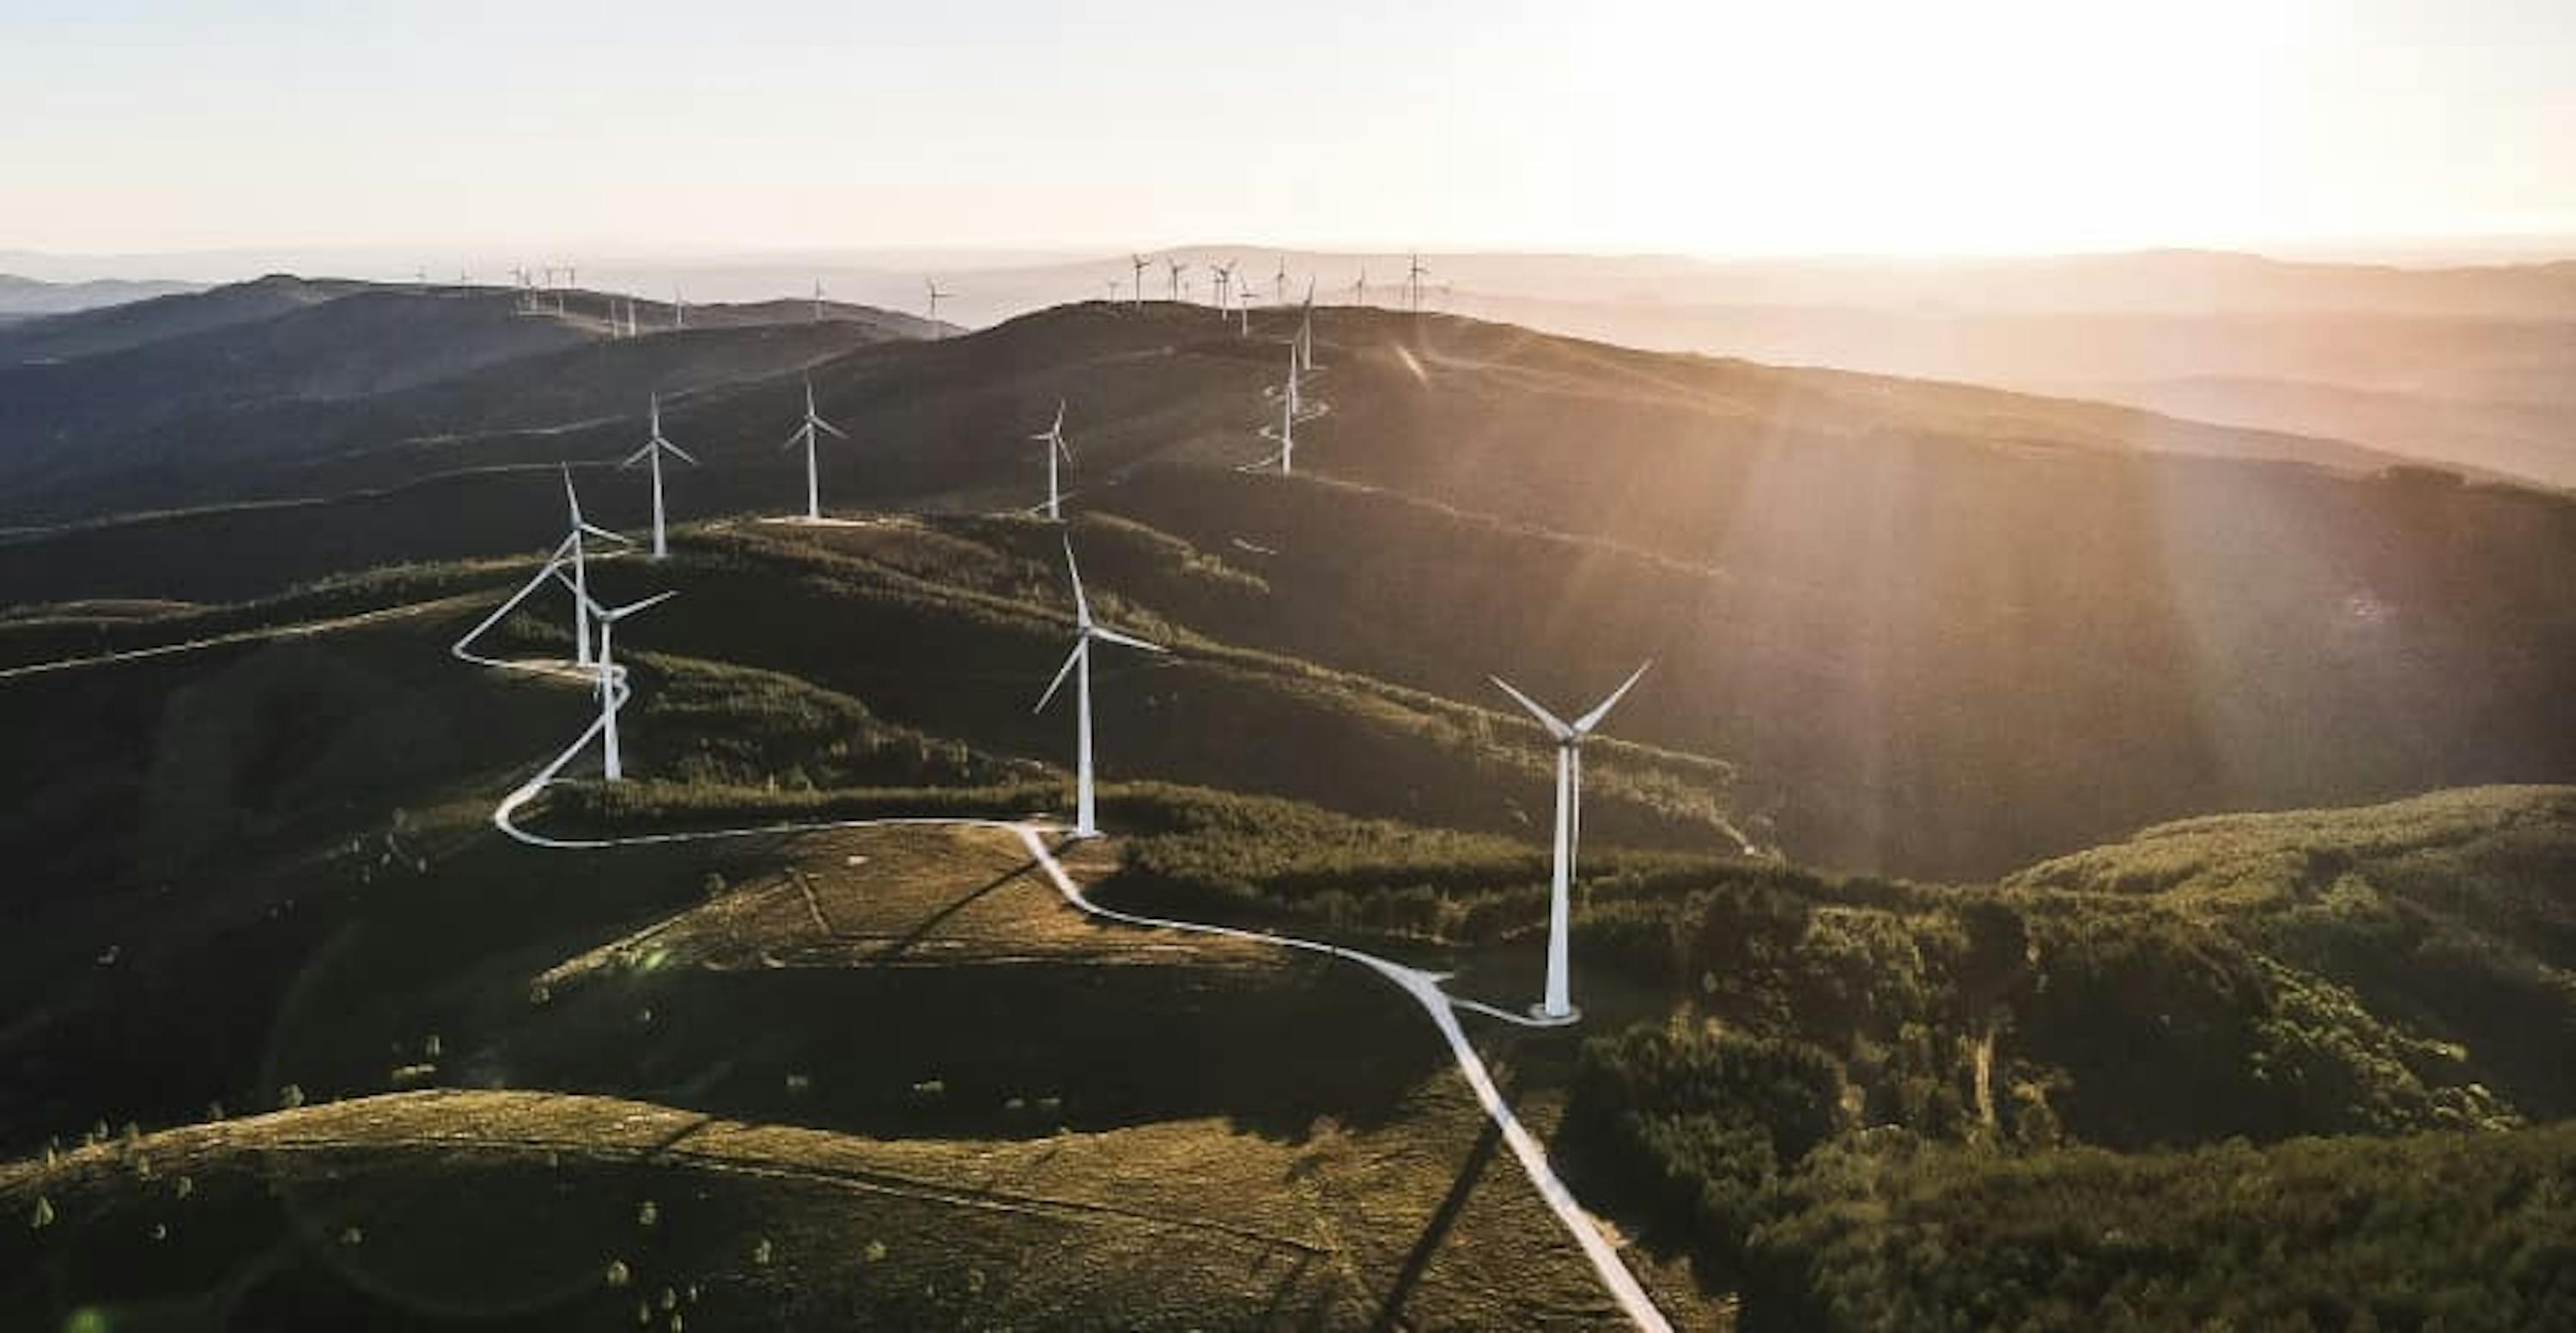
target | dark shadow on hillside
x=1390, y=1314
x=922, y=929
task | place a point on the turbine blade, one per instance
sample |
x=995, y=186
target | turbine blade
x=1126, y=640
x=1592, y=719
x=795, y=439
x=638, y=456
x=632, y=607
x=1081, y=604
x=679, y=453
x=597, y=531
x=1545, y=718
x=1060, y=673
x=836, y=431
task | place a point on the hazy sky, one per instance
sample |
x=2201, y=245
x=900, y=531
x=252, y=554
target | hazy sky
x=1906, y=126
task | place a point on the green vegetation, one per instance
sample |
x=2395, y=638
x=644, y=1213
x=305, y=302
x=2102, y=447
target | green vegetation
x=2452, y=1231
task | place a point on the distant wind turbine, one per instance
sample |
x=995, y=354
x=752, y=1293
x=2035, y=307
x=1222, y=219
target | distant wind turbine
x=1569, y=738
x=935, y=294
x=1141, y=264
x=1414, y=273
x=818, y=300
x=1178, y=268
x=679, y=308
x=805, y=433
x=1085, y=822
x=1056, y=451
x=1359, y=288
x=1279, y=283
x=582, y=528
x=651, y=455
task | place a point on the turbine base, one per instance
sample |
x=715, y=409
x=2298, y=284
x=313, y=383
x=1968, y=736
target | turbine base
x=1539, y=1016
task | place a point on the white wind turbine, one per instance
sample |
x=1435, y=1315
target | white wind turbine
x=935, y=294
x=804, y=434
x=1221, y=280
x=1279, y=283
x=1359, y=288
x=1569, y=738
x=1414, y=273
x=1306, y=330
x=818, y=300
x=613, y=691
x=1078, y=664
x=1177, y=269
x=1140, y=264
x=651, y=454
x=1056, y=451
x=579, y=558
x=1292, y=409
x=679, y=308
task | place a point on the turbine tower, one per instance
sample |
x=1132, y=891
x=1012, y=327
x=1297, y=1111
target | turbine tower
x=1177, y=269
x=679, y=308
x=1569, y=738
x=818, y=300
x=1056, y=451
x=935, y=294
x=1140, y=264
x=581, y=568
x=1279, y=283
x=612, y=677
x=1359, y=288
x=1078, y=664
x=651, y=454
x=804, y=434
x=1414, y=273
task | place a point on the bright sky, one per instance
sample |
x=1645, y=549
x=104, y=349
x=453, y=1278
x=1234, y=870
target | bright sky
x=1898, y=126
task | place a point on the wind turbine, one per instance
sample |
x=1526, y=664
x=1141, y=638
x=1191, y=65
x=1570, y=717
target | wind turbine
x=1306, y=330
x=679, y=308
x=1221, y=281
x=581, y=527
x=818, y=300
x=935, y=294
x=1569, y=738
x=612, y=677
x=1291, y=409
x=1414, y=273
x=1279, y=282
x=1141, y=264
x=1177, y=268
x=805, y=433
x=1057, y=450
x=1078, y=664
x=1359, y=288
x=651, y=454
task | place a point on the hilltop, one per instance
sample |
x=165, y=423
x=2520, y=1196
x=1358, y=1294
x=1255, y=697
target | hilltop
x=1938, y=630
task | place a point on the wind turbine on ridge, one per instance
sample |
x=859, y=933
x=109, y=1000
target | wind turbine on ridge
x=1177, y=269
x=935, y=294
x=1078, y=664
x=1557, y=1006
x=651, y=453
x=613, y=690
x=1414, y=273
x=1056, y=450
x=804, y=432
x=1140, y=264
x=582, y=527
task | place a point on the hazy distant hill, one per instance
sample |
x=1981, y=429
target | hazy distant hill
x=171, y=394
x=23, y=297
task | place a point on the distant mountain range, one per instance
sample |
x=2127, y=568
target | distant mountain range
x=24, y=297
